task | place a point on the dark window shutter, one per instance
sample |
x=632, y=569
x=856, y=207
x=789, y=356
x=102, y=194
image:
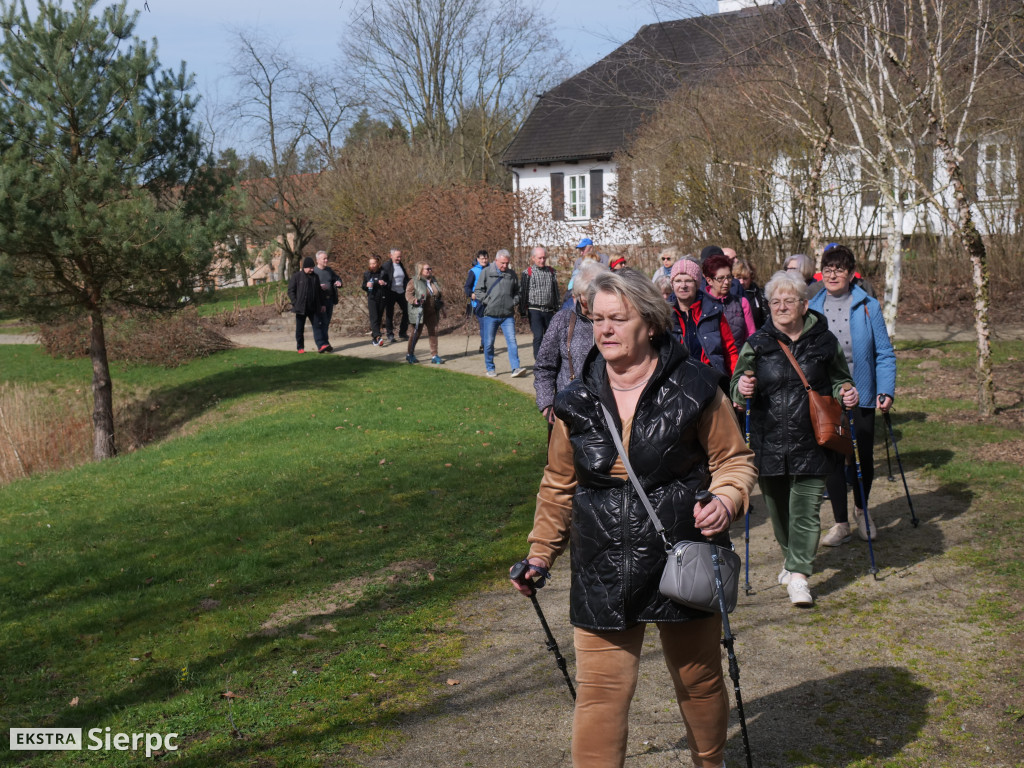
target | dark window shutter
x=624, y=191
x=1018, y=167
x=924, y=166
x=558, y=196
x=596, y=194
x=969, y=172
x=868, y=190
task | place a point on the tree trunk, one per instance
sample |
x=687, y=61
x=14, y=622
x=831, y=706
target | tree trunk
x=814, y=212
x=970, y=238
x=893, y=266
x=979, y=273
x=102, y=391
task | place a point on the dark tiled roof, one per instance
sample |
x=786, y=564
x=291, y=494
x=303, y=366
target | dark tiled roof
x=594, y=113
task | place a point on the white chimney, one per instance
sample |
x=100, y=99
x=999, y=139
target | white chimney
x=726, y=6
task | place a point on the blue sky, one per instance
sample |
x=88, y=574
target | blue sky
x=200, y=31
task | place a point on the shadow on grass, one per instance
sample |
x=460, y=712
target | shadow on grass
x=166, y=409
x=863, y=714
x=899, y=545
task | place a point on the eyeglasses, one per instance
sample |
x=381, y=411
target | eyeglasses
x=666, y=258
x=428, y=269
x=834, y=271
x=776, y=303
x=722, y=279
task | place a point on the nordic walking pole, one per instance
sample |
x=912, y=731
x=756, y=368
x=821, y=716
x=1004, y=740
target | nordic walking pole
x=860, y=483
x=734, y=668
x=516, y=573
x=746, y=518
x=888, y=460
x=899, y=462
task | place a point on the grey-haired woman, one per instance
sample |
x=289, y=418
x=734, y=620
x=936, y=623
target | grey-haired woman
x=791, y=466
x=681, y=437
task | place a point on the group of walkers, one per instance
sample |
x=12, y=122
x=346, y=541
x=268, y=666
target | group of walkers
x=668, y=383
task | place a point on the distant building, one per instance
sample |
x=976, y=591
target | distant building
x=562, y=158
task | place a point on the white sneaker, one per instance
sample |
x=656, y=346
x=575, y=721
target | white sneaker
x=862, y=529
x=800, y=593
x=784, y=576
x=492, y=374
x=518, y=372
x=837, y=534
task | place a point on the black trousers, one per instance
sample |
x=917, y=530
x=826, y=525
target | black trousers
x=376, y=307
x=394, y=297
x=539, y=322
x=864, y=425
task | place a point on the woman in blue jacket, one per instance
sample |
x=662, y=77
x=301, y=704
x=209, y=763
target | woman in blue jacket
x=855, y=318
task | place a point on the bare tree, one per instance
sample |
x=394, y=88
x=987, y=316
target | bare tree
x=459, y=75
x=297, y=116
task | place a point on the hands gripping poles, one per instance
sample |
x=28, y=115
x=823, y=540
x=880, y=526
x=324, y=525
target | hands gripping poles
x=746, y=518
x=734, y=668
x=860, y=483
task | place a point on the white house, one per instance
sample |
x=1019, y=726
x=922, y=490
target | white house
x=562, y=158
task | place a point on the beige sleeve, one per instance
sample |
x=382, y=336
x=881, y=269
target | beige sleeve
x=733, y=472
x=551, y=521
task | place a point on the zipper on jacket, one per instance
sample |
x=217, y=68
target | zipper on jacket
x=626, y=559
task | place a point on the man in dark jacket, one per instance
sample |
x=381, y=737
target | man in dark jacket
x=329, y=284
x=308, y=300
x=397, y=276
x=538, y=295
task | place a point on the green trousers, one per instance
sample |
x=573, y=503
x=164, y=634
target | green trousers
x=794, y=502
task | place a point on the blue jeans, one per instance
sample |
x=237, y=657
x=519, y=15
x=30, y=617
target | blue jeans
x=489, y=327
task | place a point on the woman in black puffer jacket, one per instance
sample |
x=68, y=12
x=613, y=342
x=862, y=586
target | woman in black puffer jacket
x=681, y=437
x=792, y=467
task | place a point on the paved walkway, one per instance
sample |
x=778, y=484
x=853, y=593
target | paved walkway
x=461, y=352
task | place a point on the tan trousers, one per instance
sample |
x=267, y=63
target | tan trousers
x=429, y=319
x=607, y=664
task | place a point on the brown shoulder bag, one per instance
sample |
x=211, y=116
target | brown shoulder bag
x=831, y=429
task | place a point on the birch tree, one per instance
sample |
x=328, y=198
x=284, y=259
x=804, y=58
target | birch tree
x=916, y=72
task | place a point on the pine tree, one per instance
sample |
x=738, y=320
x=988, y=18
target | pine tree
x=107, y=200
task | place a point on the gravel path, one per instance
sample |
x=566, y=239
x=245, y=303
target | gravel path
x=814, y=682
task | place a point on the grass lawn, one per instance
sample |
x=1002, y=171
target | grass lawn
x=300, y=546
x=228, y=299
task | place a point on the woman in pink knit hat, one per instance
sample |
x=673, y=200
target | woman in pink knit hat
x=706, y=336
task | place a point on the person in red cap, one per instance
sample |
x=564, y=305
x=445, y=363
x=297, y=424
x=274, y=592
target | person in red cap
x=618, y=263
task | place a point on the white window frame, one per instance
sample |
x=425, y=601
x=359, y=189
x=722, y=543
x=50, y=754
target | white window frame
x=577, y=196
x=995, y=171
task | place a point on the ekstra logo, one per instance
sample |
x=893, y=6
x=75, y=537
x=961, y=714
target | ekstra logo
x=46, y=738
x=25, y=739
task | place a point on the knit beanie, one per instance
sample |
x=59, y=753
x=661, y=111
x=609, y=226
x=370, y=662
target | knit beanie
x=710, y=250
x=308, y=262
x=687, y=267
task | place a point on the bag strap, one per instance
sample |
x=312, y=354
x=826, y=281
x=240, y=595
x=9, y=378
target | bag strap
x=568, y=345
x=796, y=365
x=632, y=476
